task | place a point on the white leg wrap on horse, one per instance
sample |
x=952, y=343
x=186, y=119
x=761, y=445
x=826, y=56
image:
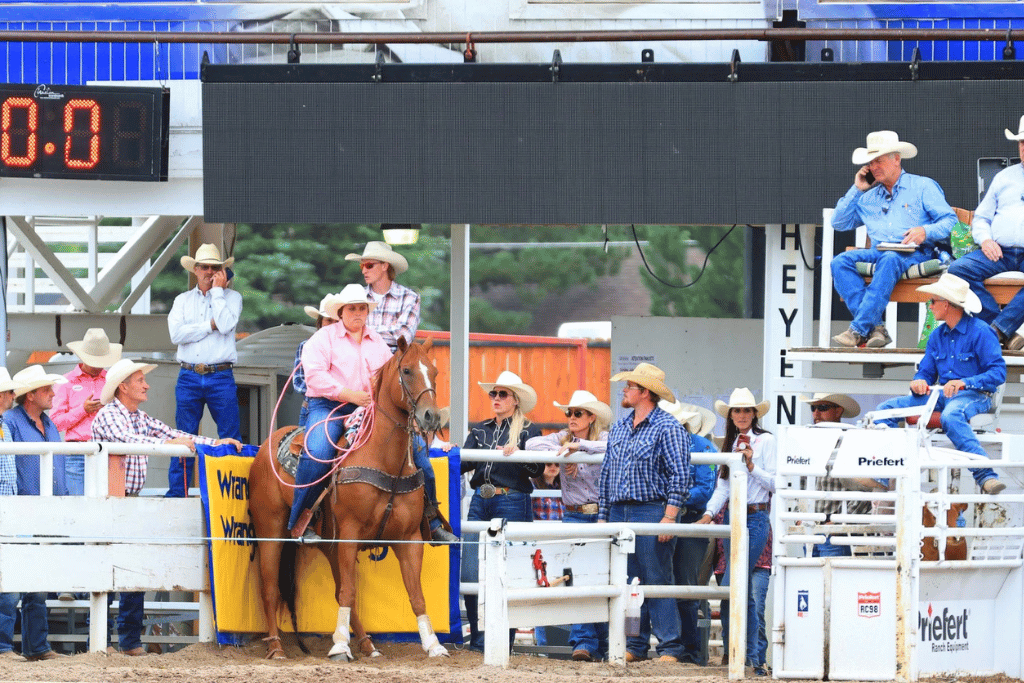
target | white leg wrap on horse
x=428, y=638
x=341, y=637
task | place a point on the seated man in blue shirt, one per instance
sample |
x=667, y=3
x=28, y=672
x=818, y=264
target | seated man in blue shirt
x=895, y=207
x=998, y=226
x=964, y=356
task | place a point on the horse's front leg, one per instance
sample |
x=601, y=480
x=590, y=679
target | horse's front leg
x=363, y=642
x=346, y=584
x=410, y=559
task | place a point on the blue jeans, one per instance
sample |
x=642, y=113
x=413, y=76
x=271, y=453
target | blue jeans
x=193, y=393
x=34, y=625
x=303, y=414
x=652, y=562
x=513, y=506
x=867, y=302
x=590, y=637
x=74, y=474
x=759, y=587
x=757, y=528
x=320, y=435
x=975, y=267
x=130, y=612
x=956, y=418
x=826, y=549
x=689, y=554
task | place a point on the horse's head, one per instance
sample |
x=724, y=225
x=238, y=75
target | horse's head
x=414, y=386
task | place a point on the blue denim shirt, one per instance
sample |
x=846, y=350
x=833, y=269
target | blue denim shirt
x=969, y=352
x=915, y=201
x=21, y=428
x=702, y=477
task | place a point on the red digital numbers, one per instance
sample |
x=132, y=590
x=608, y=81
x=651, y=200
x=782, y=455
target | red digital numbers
x=22, y=131
x=76, y=136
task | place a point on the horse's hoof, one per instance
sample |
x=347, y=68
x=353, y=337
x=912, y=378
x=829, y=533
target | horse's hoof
x=341, y=657
x=376, y=653
x=438, y=651
x=278, y=654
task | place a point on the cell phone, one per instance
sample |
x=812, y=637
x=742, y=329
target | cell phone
x=741, y=441
x=869, y=177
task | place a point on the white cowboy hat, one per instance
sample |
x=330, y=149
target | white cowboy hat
x=381, y=251
x=742, y=398
x=6, y=383
x=34, y=377
x=850, y=407
x=685, y=414
x=587, y=401
x=648, y=376
x=883, y=142
x=510, y=380
x=352, y=294
x=119, y=372
x=95, y=350
x=1019, y=135
x=207, y=254
x=956, y=290
x=315, y=313
x=707, y=422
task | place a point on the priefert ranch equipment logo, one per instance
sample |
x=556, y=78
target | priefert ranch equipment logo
x=947, y=632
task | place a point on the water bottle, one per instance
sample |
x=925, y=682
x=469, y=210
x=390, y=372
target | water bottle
x=633, y=603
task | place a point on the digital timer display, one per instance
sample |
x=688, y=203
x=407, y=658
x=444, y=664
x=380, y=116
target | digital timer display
x=87, y=132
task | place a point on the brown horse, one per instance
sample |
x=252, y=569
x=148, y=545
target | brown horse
x=376, y=504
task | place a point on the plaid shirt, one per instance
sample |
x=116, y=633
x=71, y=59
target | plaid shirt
x=651, y=462
x=116, y=424
x=831, y=507
x=398, y=313
x=8, y=469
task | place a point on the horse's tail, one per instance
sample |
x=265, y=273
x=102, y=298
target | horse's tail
x=287, y=584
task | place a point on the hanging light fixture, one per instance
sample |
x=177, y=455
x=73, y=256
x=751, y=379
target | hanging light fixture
x=400, y=233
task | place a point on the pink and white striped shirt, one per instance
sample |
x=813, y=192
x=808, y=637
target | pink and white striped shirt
x=333, y=360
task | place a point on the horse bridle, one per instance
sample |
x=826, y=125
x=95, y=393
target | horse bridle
x=413, y=401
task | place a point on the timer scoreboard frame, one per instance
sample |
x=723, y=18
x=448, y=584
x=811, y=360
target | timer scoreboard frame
x=84, y=132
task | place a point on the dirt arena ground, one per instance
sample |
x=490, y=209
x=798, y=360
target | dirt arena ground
x=403, y=663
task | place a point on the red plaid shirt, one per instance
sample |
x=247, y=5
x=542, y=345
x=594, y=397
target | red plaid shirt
x=397, y=314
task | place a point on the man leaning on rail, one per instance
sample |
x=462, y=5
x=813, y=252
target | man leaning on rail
x=905, y=216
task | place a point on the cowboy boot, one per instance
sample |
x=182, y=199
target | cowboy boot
x=440, y=530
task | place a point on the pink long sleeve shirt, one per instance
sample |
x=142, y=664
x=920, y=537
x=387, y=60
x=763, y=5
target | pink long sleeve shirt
x=333, y=361
x=68, y=412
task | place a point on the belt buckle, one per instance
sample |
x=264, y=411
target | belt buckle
x=200, y=368
x=487, y=490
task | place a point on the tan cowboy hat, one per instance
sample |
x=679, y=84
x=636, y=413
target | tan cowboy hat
x=648, y=376
x=587, y=401
x=381, y=251
x=6, y=383
x=955, y=290
x=95, y=350
x=34, y=377
x=207, y=254
x=446, y=417
x=850, y=407
x=352, y=294
x=510, y=380
x=119, y=372
x=742, y=398
x=1019, y=135
x=883, y=142
x=315, y=313
x=688, y=417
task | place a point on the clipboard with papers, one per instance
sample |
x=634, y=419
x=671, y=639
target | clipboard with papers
x=897, y=246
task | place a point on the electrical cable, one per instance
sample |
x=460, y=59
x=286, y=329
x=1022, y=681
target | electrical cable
x=702, y=268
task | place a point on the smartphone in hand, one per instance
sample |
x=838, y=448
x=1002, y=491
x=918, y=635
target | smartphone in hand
x=869, y=177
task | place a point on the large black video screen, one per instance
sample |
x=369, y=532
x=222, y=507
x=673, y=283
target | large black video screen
x=581, y=152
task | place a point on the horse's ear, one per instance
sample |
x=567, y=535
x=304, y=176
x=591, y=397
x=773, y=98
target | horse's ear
x=428, y=344
x=402, y=344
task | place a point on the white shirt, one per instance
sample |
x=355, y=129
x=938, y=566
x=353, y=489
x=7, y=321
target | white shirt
x=1000, y=216
x=189, y=325
x=760, y=480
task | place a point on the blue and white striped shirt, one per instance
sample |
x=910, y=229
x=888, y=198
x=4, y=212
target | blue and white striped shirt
x=648, y=463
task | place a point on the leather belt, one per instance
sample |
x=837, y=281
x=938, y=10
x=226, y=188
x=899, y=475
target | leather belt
x=757, y=507
x=585, y=509
x=490, y=490
x=204, y=369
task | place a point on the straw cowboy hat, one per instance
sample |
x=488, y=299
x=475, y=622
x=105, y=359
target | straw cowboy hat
x=119, y=372
x=6, y=383
x=207, y=254
x=381, y=251
x=95, y=350
x=352, y=294
x=955, y=290
x=883, y=142
x=34, y=377
x=587, y=401
x=685, y=414
x=649, y=377
x=1019, y=135
x=315, y=313
x=445, y=415
x=742, y=398
x=510, y=380
x=850, y=407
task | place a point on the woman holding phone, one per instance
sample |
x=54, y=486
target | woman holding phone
x=744, y=435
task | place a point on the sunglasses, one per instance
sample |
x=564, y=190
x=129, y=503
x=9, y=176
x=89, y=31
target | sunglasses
x=576, y=413
x=368, y=265
x=823, y=407
x=932, y=302
x=502, y=394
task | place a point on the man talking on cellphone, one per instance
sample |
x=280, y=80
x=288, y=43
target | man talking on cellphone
x=905, y=216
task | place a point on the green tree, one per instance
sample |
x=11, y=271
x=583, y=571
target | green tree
x=676, y=256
